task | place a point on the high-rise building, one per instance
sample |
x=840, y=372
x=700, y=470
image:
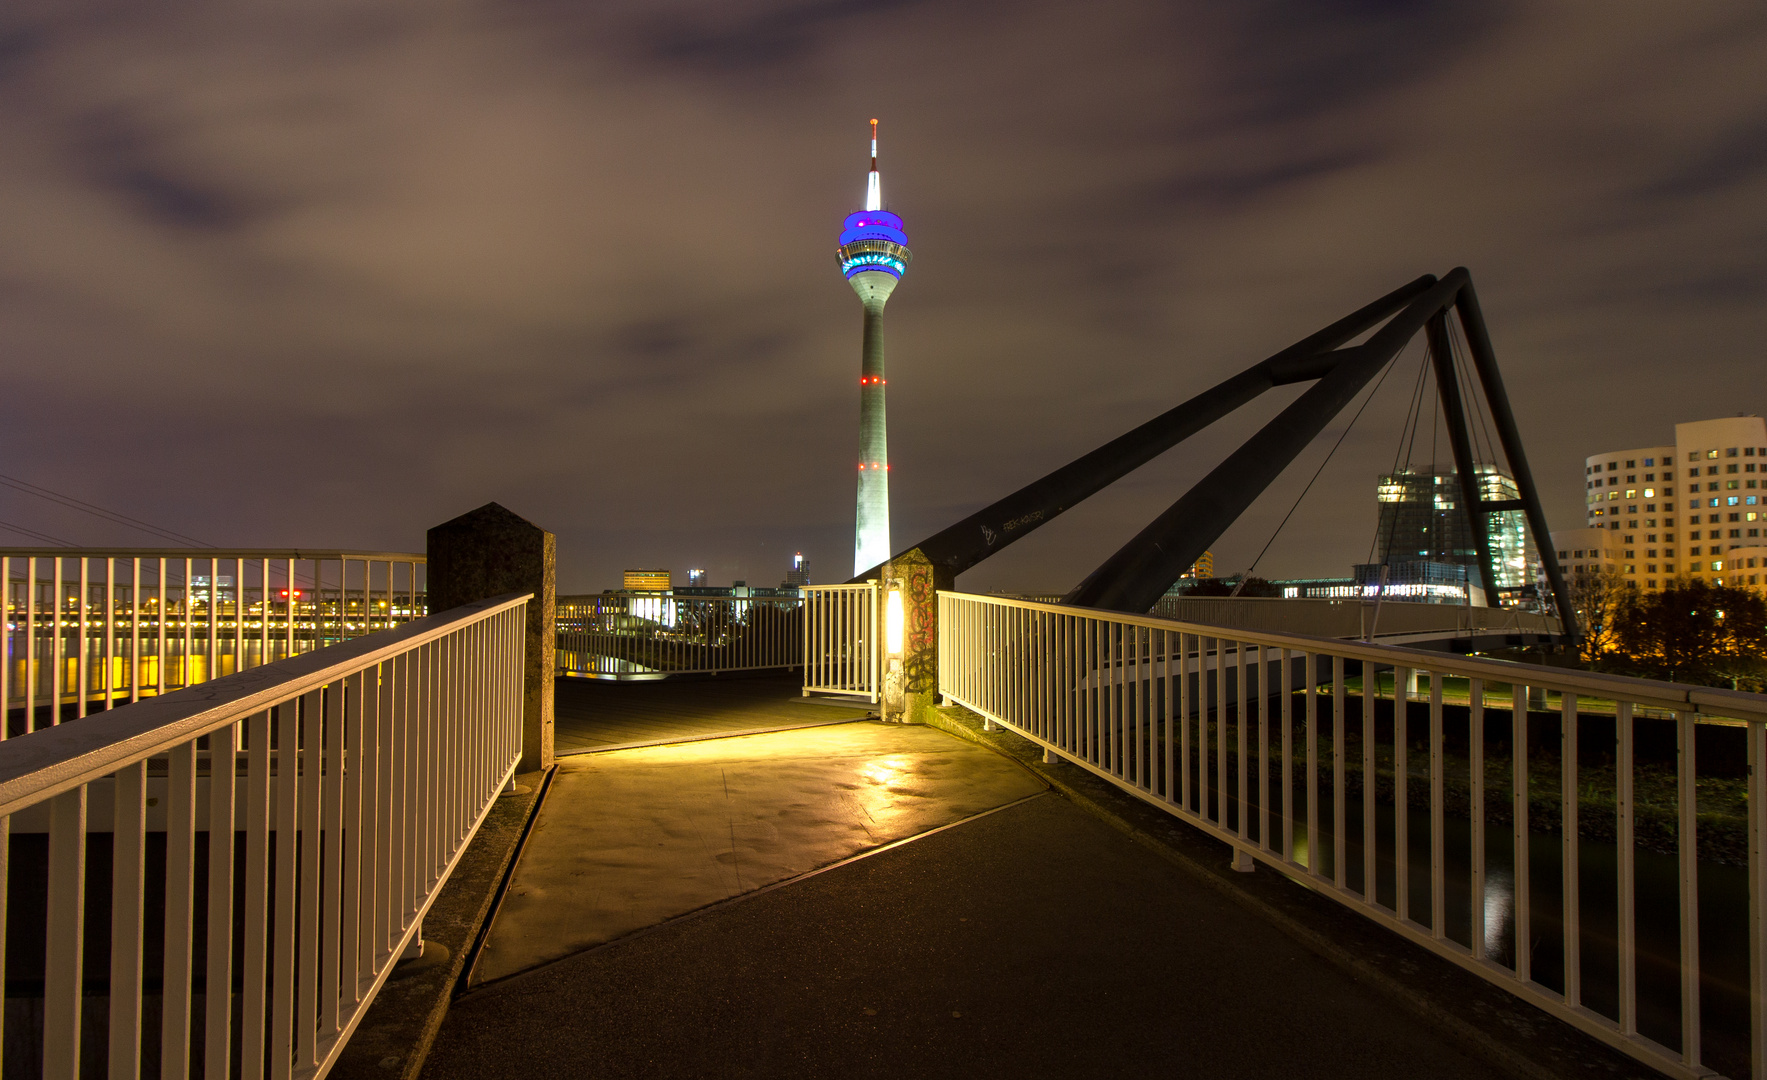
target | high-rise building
x=799, y=574
x=1425, y=540
x=873, y=256
x=1687, y=510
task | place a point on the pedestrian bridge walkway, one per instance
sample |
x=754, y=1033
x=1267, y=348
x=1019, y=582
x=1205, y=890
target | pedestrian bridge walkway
x=883, y=900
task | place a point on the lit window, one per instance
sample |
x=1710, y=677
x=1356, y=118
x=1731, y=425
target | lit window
x=1731, y=501
x=1716, y=565
x=1710, y=454
x=1650, y=493
x=1632, y=493
x=1649, y=461
x=1630, y=569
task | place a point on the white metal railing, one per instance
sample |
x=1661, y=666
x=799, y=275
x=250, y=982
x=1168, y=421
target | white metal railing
x=649, y=633
x=841, y=640
x=351, y=778
x=92, y=628
x=1373, y=775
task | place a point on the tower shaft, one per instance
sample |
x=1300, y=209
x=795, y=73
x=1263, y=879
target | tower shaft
x=873, y=254
x=871, y=537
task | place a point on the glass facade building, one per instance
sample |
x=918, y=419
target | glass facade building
x=1424, y=539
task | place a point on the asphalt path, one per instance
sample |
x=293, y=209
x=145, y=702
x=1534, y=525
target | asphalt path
x=1034, y=941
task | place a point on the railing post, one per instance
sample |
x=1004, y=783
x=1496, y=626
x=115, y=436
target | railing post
x=489, y=552
x=920, y=580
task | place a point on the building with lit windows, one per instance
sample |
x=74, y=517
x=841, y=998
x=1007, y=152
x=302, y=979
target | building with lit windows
x=1746, y=567
x=645, y=581
x=1583, y=551
x=1424, y=547
x=1684, y=510
x=799, y=574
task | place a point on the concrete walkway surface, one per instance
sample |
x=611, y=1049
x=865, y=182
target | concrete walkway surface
x=1032, y=942
x=630, y=838
x=594, y=714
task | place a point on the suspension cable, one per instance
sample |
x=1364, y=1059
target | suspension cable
x=22, y=531
x=1391, y=364
x=84, y=507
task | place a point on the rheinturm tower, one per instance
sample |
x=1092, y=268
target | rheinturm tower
x=873, y=254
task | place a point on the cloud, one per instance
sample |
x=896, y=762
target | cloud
x=335, y=273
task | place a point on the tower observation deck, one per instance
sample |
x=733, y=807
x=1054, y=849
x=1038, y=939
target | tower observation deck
x=873, y=256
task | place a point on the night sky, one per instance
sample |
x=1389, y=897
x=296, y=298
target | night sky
x=326, y=274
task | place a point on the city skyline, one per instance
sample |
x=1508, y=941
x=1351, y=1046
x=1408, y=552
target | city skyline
x=329, y=278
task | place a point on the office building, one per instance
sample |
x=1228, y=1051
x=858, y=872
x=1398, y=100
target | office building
x=646, y=581
x=1681, y=510
x=1424, y=545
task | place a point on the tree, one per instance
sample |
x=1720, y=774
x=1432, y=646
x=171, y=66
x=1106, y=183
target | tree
x=1597, y=594
x=1697, y=632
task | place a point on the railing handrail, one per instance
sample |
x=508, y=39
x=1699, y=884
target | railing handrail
x=51, y=760
x=1681, y=697
x=217, y=553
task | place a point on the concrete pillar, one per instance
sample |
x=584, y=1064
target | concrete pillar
x=489, y=552
x=916, y=671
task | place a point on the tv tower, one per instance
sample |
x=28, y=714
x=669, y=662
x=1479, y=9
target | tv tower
x=873, y=255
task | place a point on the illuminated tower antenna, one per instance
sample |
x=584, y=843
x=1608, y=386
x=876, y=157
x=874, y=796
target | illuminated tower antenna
x=873, y=255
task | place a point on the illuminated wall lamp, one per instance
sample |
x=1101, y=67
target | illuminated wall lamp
x=893, y=622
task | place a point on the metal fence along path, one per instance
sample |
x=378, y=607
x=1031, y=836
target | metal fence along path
x=841, y=640
x=1556, y=832
x=347, y=780
x=91, y=628
x=666, y=633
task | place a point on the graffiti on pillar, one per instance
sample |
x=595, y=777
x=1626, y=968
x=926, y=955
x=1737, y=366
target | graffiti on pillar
x=920, y=652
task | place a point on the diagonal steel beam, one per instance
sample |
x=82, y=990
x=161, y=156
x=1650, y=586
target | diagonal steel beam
x=1484, y=358
x=990, y=530
x=1135, y=577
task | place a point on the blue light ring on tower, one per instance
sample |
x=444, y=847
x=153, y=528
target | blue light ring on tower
x=873, y=225
x=862, y=255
